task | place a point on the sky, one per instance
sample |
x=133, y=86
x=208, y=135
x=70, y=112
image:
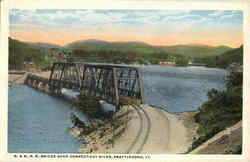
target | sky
x=155, y=27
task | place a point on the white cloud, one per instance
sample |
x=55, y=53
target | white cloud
x=183, y=17
x=227, y=16
x=237, y=12
x=216, y=13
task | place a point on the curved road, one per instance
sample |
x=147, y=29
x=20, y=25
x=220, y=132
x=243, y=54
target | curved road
x=143, y=133
x=151, y=131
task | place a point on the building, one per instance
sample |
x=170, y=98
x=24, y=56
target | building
x=171, y=61
x=235, y=67
x=168, y=63
x=29, y=65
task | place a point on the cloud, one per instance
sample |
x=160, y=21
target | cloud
x=231, y=15
x=183, y=17
x=227, y=16
x=216, y=13
x=97, y=20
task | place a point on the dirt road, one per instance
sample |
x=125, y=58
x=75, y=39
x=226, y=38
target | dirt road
x=151, y=131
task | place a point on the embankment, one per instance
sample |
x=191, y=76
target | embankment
x=228, y=141
x=149, y=131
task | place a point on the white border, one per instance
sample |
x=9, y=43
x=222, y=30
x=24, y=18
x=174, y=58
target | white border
x=129, y=4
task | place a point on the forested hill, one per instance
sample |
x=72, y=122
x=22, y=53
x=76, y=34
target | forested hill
x=196, y=50
x=20, y=52
x=234, y=56
x=122, y=52
x=191, y=50
x=43, y=45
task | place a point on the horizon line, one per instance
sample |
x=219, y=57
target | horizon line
x=155, y=45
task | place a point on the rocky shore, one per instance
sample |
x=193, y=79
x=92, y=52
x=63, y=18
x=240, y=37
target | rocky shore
x=105, y=133
x=164, y=134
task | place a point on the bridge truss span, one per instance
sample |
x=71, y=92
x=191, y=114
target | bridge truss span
x=118, y=85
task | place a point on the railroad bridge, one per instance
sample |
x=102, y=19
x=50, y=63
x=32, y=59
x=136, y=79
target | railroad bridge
x=117, y=85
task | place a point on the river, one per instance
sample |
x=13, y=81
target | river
x=180, y=89
x=37, y=122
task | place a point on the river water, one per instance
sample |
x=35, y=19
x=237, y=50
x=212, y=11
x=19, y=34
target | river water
x=38, y=122
x=180, y=89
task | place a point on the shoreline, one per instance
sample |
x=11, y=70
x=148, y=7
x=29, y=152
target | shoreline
x=168, y=134
x=164, y=128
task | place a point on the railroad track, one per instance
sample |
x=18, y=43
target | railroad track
x=143, y=133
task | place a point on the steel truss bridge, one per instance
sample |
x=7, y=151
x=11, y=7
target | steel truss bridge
x=117, y=85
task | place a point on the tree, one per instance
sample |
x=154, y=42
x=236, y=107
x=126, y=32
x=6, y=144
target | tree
x=88, y=105
x=235, y=79
x=181, y=61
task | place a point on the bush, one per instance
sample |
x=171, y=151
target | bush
x=181, y=61
x=88, y=105
x=235, y=79
x=222, y=110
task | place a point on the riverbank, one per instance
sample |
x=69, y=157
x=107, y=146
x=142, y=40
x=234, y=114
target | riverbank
x=19, y=77
x=16, y=78
x=149, y=130
x=157, y=128
x=144, y=129
x=228, y=141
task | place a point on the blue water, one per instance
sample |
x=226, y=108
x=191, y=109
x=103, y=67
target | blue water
x=38, y=122
x=180, y=89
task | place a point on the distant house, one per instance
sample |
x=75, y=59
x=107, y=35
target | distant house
x=61, y=55
x=196, y=64
x=28, y=65
x=171, y=61
x=168, y=63
x=235, y=66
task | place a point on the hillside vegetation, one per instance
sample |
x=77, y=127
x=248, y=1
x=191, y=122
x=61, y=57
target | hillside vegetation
x=222, y=109
x=196, y=51
x=20, y=52
x=225, y=59
x=140, y=52
x=123, y=52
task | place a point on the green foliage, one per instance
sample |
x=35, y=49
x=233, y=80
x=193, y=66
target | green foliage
x=68, y=130
x=235, y=79
x=196, y=50
x=20, y=52
x=181, y=61
x=44, y=65
x=225, y=59
x=88, y=105
x=139, y=52
x=222, y=110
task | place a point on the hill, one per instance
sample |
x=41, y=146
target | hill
x=232, y=56
x=191, y=50
x=21, y=51
x=225, y=59
x=88, y=45
x=196, y=50
x=43, y=45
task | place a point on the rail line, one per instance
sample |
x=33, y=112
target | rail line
x=143, y=123
x=138, y=133
x=147, y=131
